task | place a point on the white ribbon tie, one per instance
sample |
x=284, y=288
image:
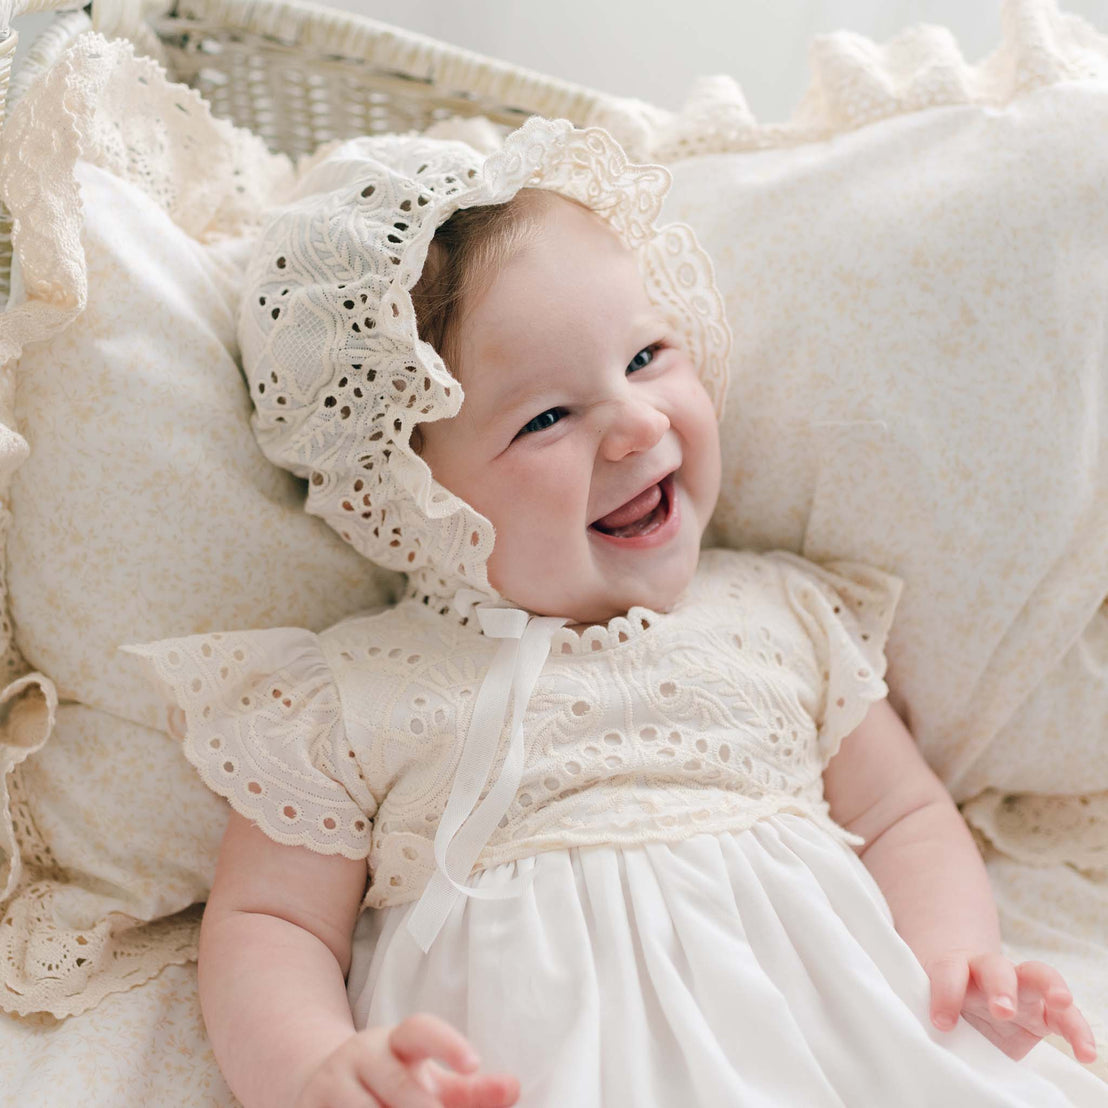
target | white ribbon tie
x=523, y=650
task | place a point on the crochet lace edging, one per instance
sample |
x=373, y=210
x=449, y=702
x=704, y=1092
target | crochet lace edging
x=856, y=81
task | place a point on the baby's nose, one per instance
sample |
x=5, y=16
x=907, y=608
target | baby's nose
x=634, y=426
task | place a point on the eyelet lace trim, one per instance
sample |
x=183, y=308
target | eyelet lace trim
x=566, y=640
x=249, y=700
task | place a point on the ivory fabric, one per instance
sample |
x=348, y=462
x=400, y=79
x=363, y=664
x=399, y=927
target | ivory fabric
x=654, y=727
x=138, y=1048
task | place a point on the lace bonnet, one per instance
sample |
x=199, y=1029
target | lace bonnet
x=336, y=371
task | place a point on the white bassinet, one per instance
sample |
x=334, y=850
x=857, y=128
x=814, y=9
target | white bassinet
x=99, y=900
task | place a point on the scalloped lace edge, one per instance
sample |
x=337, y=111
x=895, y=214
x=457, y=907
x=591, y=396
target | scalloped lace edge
x=58, y=122
x=125, y=955
x=856, y=81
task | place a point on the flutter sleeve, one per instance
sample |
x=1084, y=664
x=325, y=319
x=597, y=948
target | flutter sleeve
x=263, y=724
x=846, y=609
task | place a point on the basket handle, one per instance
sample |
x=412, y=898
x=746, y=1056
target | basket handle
x=11, y=9
x=114, y=18
x=124, y=18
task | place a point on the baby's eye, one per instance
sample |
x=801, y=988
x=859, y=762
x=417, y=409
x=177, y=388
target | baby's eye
x=644, y=357
x=542, y=421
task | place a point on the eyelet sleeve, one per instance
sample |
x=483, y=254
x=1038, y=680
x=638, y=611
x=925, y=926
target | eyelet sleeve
x=847, y=609
x=259, y=716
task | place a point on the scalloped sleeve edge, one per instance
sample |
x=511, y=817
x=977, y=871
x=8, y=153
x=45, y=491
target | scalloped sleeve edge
x=847, y=608
x=259, y=717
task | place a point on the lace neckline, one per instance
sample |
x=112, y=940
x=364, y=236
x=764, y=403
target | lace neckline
x=571, y=639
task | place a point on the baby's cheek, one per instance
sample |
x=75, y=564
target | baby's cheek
x=528, y=572
x=535, y=555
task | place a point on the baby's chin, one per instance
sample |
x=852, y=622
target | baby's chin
x=603, y=594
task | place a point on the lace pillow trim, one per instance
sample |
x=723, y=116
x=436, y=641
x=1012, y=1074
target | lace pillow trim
x=856, y=82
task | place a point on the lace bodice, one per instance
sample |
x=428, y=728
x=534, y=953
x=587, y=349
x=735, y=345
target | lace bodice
x=660, y=726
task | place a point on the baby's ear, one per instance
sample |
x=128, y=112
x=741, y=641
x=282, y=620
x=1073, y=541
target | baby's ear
x=415, y=441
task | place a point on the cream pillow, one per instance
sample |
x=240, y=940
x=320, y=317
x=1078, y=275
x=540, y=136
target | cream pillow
x=920, y=374
x=916, y=272
x=144, y=509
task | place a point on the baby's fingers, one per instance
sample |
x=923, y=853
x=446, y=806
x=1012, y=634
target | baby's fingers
x=422, y=1041
x=949, y=976
x=425, y=1036
x=997, y=979
x=1072, y=1026
x=1046, y=981
x=395, y=1071
x=483, y=1090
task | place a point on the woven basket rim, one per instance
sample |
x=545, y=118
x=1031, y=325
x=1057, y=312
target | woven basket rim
x=351, y=36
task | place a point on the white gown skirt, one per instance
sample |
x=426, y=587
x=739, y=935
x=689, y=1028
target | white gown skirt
x=755, y=969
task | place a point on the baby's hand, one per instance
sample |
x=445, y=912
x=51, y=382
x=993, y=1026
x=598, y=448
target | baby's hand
x=383, y=1067
x=1012, y=1006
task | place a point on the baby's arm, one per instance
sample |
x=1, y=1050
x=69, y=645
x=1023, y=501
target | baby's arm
x=274, y=951
x=274, y=948
x=923, y=857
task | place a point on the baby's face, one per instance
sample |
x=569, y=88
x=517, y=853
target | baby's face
x=585, y=436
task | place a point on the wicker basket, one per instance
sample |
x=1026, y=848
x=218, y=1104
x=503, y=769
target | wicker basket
x=299, y=74
x=295, y=73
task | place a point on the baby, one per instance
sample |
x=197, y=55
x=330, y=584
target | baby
x=641, y=826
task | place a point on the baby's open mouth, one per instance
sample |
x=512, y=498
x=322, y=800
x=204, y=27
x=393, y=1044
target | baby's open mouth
x=641, y=514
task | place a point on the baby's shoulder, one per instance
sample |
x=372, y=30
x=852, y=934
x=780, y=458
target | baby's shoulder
x=781, y=592
x=403, y=667
x=779, y=572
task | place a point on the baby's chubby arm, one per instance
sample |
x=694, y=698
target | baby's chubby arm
x=274, y=951
x=922, y=855
x=274, y=948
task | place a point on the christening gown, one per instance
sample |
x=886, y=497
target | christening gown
x=659, y=910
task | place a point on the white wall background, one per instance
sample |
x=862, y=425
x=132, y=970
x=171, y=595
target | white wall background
x=653, y=48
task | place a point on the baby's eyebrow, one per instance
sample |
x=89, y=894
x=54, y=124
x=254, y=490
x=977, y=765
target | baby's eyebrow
x=529, y=390
x=505, y=399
